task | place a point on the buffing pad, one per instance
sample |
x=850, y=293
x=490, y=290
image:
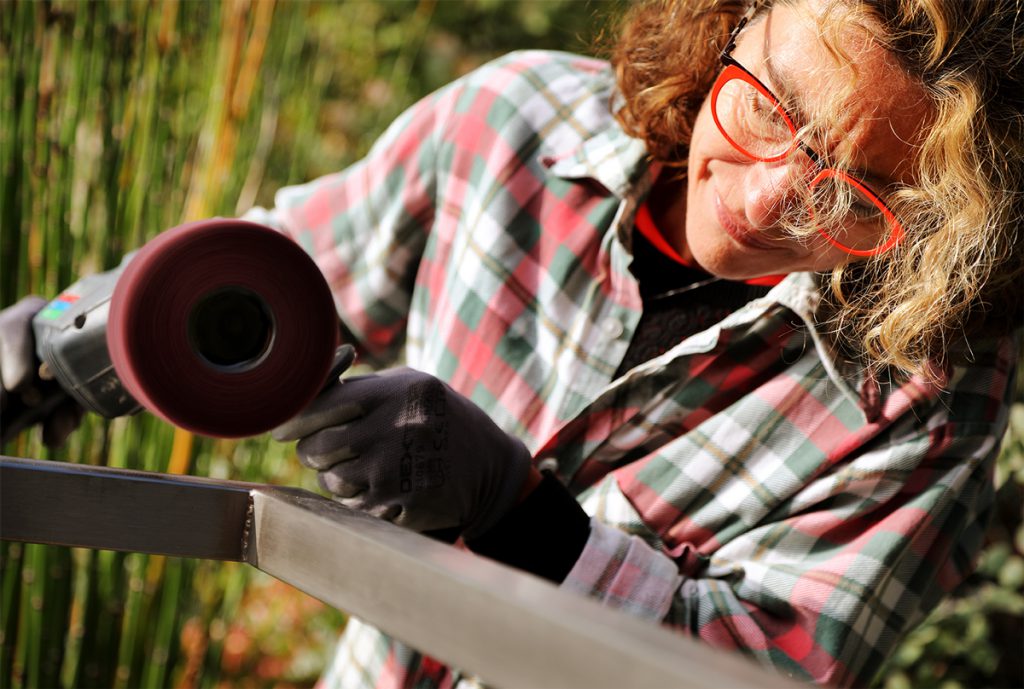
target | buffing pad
x=222, y=327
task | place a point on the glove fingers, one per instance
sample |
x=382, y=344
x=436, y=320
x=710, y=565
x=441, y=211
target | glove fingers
x=335, y=483
x=325, y=448
x=17, y=344
x=61, y=423
x=388, y=512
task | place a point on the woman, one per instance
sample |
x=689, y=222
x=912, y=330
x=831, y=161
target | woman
x=798, y=471
x=745, y=299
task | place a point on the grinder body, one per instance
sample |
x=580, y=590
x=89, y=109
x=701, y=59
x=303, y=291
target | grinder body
x=71, y=342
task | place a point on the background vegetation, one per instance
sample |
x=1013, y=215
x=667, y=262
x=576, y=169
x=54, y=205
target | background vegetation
x=121, y=119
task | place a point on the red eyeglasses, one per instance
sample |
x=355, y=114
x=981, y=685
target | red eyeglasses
x=752, y=119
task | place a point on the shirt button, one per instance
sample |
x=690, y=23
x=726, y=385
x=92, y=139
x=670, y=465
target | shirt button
x=612, y=328
x=548, y=464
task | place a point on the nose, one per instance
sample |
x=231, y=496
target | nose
x=772, y=191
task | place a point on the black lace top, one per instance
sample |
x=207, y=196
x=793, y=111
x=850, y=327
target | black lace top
x=670, y=318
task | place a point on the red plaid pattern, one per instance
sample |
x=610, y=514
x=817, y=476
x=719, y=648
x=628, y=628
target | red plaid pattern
x=748, y=487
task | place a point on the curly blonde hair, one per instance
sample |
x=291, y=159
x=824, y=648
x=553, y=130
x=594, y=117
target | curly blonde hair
x=958, y=271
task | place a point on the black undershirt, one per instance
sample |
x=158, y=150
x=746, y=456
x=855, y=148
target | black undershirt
x=668, y=320
x=546, y=533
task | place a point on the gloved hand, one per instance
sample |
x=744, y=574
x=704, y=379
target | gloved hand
x=25, y=398
x=403, y=446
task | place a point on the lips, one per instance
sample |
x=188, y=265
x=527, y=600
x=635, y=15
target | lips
x=743, y=235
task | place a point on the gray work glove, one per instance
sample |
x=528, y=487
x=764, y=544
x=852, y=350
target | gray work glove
x=25, y=398
x=403, y=446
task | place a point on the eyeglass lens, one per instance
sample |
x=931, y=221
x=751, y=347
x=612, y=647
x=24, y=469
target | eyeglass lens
x=756, y=124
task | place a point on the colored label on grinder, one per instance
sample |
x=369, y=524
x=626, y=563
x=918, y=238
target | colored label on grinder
x=56, y=308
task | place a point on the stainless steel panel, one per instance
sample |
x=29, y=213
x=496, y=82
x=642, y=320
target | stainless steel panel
x=513, y=629
x=116, y=509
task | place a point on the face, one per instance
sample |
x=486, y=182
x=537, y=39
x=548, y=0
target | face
x=733, y=204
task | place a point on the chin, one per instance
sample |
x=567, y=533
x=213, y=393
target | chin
x=722, y=260
x=734, y=265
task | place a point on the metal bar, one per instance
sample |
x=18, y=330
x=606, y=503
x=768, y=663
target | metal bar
x=118, y=509
x=511, y=628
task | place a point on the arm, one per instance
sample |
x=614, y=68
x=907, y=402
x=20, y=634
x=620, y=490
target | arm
x=824, y=587
x=367, y=226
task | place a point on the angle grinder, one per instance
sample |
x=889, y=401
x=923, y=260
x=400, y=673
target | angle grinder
x=222, y=327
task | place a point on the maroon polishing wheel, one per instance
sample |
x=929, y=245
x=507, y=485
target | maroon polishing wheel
x=223, y=327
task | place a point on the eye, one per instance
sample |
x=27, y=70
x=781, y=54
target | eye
x=863, y=207
x=846, y=204
x=759, y=105
x=865, y=210
x=763, y=115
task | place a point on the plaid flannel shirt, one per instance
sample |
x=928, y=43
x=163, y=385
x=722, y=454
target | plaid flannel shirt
x=748, y=487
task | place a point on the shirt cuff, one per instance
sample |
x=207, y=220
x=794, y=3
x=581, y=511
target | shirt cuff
x=543, y=535
x=623, y=572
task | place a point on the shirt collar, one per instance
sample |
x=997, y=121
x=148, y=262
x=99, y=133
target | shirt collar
x=801, y=293
x=612, y=158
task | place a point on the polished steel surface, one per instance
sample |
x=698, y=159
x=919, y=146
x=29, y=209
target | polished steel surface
x=512, y=628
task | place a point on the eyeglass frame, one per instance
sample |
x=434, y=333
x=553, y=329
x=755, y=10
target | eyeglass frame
x=730, y=64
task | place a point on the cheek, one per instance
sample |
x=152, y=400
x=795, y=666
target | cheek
x=712, y=160
x=824, y=257
x=703, y=142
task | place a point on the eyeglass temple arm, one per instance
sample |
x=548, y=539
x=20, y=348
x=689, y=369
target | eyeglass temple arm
x=725, y=56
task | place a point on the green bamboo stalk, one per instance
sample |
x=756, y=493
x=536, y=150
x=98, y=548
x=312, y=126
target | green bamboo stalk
x=233, y=582
x=42, y=231
x=87, y=670
x=116, y=573
x=54, y=173
x=72, y=116
x=141, y=143
x=10, y=104
x=118, y=85
x=106, y=184
x=55, y=614
x=105, y=607
x=33, y=588
x=305, y=117
x=10, y=606
x=412, y=41
x=84, y=608
x=28, y=39
x=128, y=654
x=165, y=630
x=81, y=582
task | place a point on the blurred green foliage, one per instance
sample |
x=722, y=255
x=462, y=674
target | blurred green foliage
x=120, y=119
